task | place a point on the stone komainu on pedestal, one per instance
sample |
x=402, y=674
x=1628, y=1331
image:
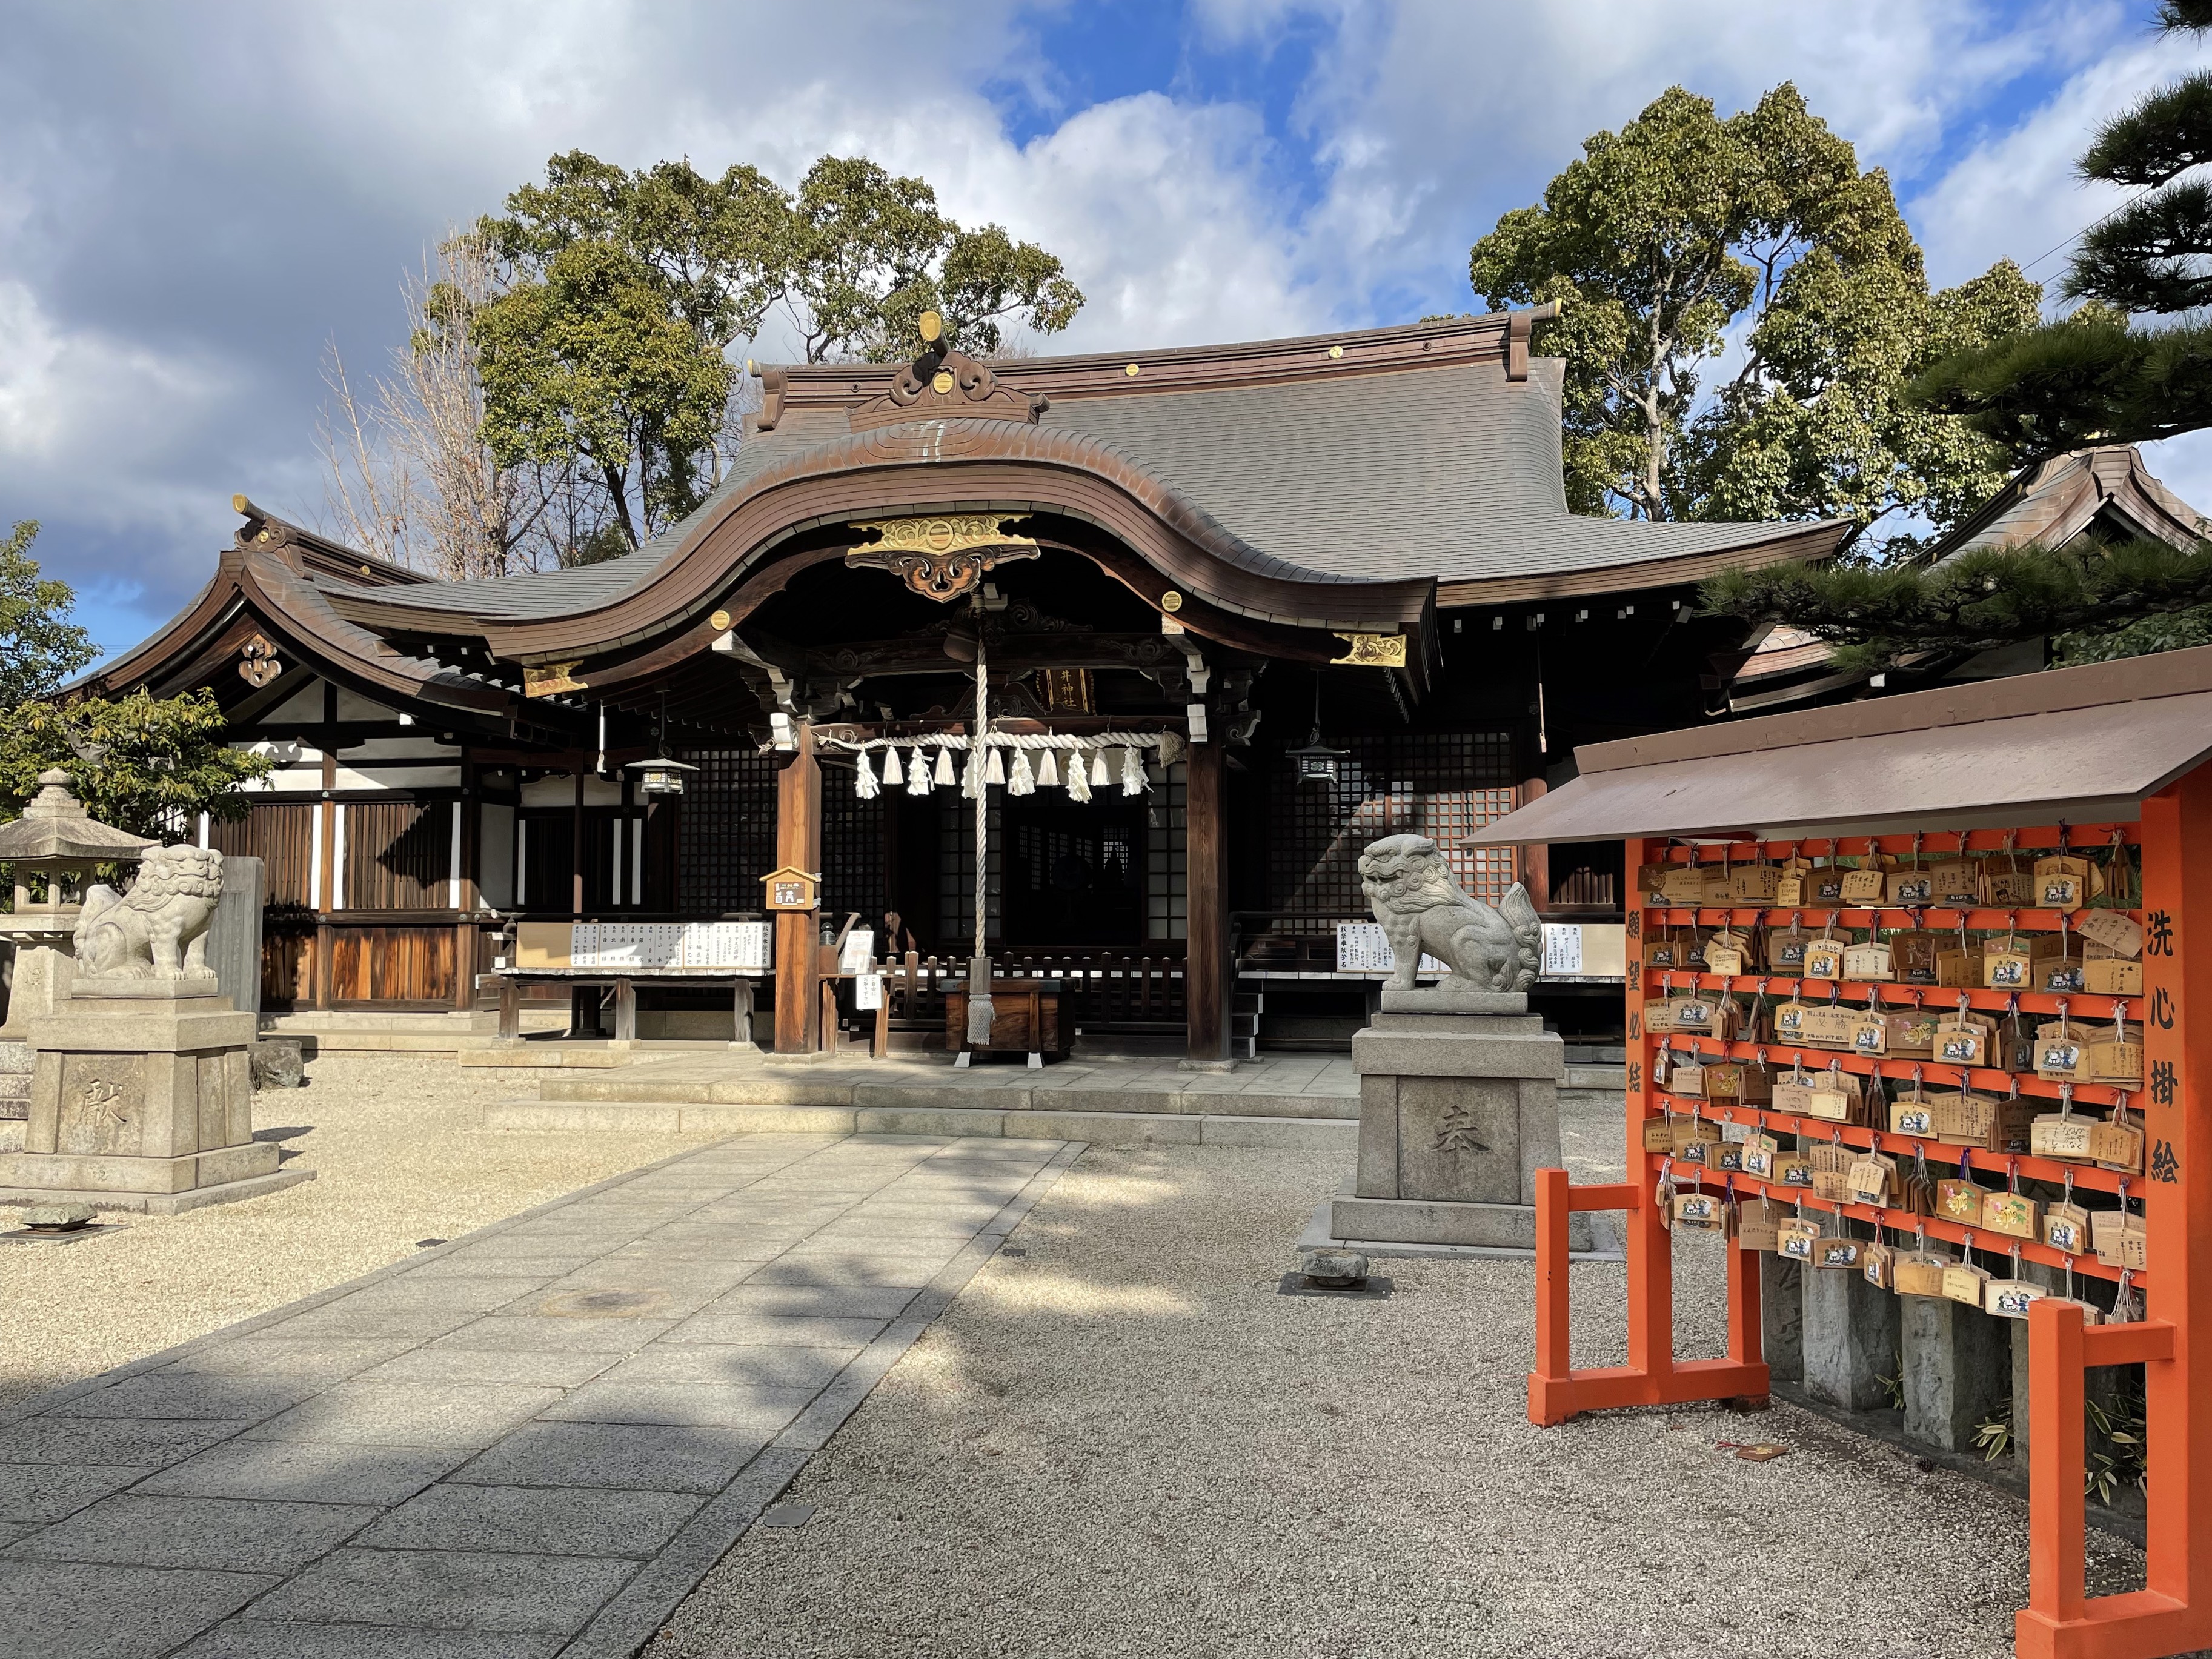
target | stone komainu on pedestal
x=1459, y=1083
x=158, y=930
x=142, y=1096
x=1422, y=911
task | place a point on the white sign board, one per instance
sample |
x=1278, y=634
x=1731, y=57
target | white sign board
x=858, y=950
x=867, y=992
x=1563, y=948
x=1362, y=947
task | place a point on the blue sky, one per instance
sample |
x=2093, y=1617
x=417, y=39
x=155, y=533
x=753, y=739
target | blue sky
x=195, y=200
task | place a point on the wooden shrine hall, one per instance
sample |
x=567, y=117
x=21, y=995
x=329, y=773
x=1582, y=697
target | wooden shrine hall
x=1230, y=612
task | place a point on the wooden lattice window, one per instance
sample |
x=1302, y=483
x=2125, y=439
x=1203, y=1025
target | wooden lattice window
x=1441, y=784
x=852, y=851
x=726, y=842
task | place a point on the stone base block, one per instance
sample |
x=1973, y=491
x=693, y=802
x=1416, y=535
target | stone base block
x=1850, y=1339
x=96, y=1172
x=1436, y=1221
x=1958, y=1369
x=1452, y=1000
x=224, y=1192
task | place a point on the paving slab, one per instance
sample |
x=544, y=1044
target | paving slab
x=450, y=1590
x=254, y=1638
x=69, y=1609
x=224, y=1534
x=534, y=1440
x=544, y=1520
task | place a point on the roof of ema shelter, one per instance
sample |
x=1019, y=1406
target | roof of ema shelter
x=1349, y=483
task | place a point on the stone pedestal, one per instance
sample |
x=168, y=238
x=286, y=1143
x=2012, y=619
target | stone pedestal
x=1782, y=1316
x=45, y=967
x=1851, y=1338
x=1958, y=1369
x=141, y=1099
x=1458, y=1109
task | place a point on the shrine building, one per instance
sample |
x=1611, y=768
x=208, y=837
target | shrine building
x=1235, y=611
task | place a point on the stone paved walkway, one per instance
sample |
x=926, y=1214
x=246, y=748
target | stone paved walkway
x=532, y=1441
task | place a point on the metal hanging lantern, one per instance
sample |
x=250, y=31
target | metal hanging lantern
x=1319, y=765
x=660, y=776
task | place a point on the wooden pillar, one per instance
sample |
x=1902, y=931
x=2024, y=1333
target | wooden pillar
x=325, y=992
x=1207, y=968
x=797, y=842
x=576, y=852
x=469, y=895
x=1536, y=858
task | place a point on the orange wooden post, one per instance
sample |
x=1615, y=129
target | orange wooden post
x=1747, y=1342
x=1651, y=1253
x=2054, y=1453
x=1549, y=1386
x=2177, y=1102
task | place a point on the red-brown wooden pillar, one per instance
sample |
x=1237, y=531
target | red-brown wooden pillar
x=1537, y=857
x=798, y=843
x=1206, y=974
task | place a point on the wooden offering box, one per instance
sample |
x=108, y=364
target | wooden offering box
x=2099, y=772
x=1024, y=1019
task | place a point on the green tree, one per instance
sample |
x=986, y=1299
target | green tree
x=151, y=765
x=590, y=363
x=2097, y=377
x=40, y=646
x=1683, y=231
x=868, y=253
x=607, y=348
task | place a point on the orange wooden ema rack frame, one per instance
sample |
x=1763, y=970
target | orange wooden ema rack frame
x=2075, y=757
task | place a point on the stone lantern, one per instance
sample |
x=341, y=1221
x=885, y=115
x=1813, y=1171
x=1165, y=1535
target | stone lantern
x=58, y=840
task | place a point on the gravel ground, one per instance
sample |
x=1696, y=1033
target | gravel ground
x=1122, y=1440
x=398, y=1157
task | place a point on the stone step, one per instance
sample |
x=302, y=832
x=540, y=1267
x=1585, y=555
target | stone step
x=829, y=1091
x=1596, y=1077
x=1099, y=1128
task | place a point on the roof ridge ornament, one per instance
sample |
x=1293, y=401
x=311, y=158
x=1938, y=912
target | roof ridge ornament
x=944, y=381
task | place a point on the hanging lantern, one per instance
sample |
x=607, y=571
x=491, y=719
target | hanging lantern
x=660, y=776
x=1316, y=762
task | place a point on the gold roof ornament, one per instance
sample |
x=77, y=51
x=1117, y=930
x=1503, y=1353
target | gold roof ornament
x=942, y=556
x=1372, y=650
x=931, y=326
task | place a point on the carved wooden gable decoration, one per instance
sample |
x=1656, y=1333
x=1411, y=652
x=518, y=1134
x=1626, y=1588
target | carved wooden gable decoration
x=946, y=384
x=942, y=556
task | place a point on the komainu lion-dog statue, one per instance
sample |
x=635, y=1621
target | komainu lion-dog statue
x=158, y=930
x=1422, y=911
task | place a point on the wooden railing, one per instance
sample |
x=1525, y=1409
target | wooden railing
x=1136, y=989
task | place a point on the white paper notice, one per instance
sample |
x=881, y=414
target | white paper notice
x=859, y=951
x=1362, y=947
x=1563, y=948
x=867, y=991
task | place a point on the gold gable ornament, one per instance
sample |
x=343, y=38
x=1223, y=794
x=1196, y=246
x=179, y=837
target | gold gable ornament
x=1372, y=651
x=943, y=556
x=550, y=679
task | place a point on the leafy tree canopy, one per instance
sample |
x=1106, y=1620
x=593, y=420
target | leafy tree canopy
x=146, y=764
x=1683, y=231
x=40, y=646
x=605, y=348
x=2098, y=376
